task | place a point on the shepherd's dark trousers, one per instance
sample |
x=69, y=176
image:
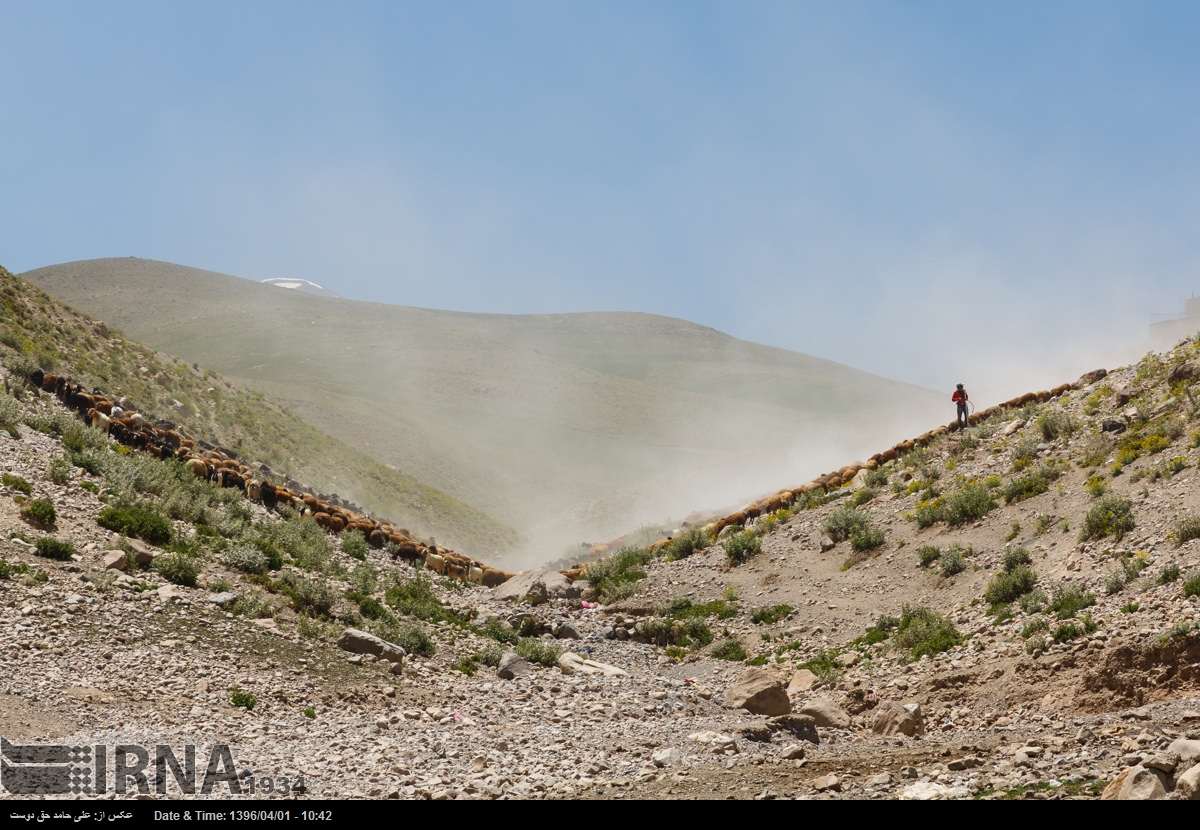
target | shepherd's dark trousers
x=962, y=416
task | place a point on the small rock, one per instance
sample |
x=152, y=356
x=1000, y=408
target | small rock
x=362, y=642
x=827, y=782
x=793, y=753
x=512, y=665
x=223, y=598
x=801, y=727
x=827, y=544
x=666, y=758
x=143, y=554
x=881, y=780
x=567, y=631
x=114, y=560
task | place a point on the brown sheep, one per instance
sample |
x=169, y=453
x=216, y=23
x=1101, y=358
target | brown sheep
x=49, y=383
x=738, y=518
x=1043, y=396
x=322, y=519
x=199, y=468
x=493, y=577
x=435, y=563
x=377, y=538
x=337, y=524
x=887, y=455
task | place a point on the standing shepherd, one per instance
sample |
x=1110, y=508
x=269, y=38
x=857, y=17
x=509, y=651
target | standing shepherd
x=960, y=398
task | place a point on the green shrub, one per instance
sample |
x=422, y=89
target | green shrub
x=824, y=664
x=371, y=608
x=255, y=605
x=309, y=597
x=542, y=652
x=1034, y=602
x=5, y=569
x=40, y=512
x=309, y=713
x=971, y=503
x=1170, y=573
x=1034, y=626
x=924, y=631
x=136, y=521
x=928, y=554
x=741, y=546
x=354, y=544
x=1025, y=487
x=1054, y=424
x=52, y=548
x=616, y=577
x=246, y=559
x=1096, y=486
x=729, y=649
x=877, y=478
x=769, y=615
x=866, y=539
x=1070, y=630
x=414, y=639
x=685, y=544
x=843, y=522
x=179, y=568
x=953, y=561
x=1109, y=516
x=59, y=470
x=1186, y=529
x=1191, y=585
x=1015, y=558
x=242, y=700
x=927, y=514
x=1010, y=586
x=863, y=496
x=879, y=632
x=17, y=483
x=499, y=631
x=467, y=665
x=1067, y=599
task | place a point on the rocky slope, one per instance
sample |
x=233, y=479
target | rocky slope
x=774, y=661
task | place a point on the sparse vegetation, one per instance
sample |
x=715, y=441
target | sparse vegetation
x=616, y=577
x=1109, y=516
x=925, y=631
x=136, y=521
x=51, y=548
x=1067, y=599
x=928, y=554
x=769, y=615
x=953, y=561
x=1191, y=585
x=844, y=522
x=1010, y=585
x=1025, y=487
x=354, y=544
x=729, y=649
x=686, y=544
x=17, y=483
x=179, y=568
x=741, y=546
x=1186, y=529
x=40, y=512
x=242, y=700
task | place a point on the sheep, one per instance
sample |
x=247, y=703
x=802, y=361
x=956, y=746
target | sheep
x=475, y=575
x=98, y=420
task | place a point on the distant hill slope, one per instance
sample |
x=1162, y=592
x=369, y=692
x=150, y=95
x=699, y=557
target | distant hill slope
x=562, y=425
x=62, y=340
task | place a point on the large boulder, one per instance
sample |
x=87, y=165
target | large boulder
x=1137, y=783
x=1091, y=377
x=571, y=663
x=802, y=727
x=1184, y=371
x=802, y=681
x=893, y=718
x=1188, y=784
x=539, y=586
x=825, y=713
x=512, y=665
x=362, y=642
x=758, y=693
x=1185, y=753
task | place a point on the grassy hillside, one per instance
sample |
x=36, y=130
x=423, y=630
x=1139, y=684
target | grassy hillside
x=564, y=426
x=62, y=340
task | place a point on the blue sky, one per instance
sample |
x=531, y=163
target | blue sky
x=995, y=193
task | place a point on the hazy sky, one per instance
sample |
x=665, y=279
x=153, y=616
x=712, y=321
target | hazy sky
x=987, y=192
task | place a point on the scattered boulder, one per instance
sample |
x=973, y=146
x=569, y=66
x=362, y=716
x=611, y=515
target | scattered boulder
x=1124, y=394
x=801, y=727
x=143, y=554
x=758, y=693
x=1012, y=426
x=568, y=631
x=361, y=642
x=1188, y=784
x=757, y=732
x=825, y=713
x=1112, y=425
x=667, y=758
x=1091, y=377
x=114, y=560
x=571, y=663
x=512, y=665
x=827, y=782
x=1137, y=783
x=893, y=718
x=1184, y=371
x=802, y=681
x=224, y=598
x=827, y=544
x=539, y=586
x=1184, y=752
x=795, y=752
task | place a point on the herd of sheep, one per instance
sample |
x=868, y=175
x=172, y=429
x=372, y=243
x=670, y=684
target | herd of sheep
x=165, y=440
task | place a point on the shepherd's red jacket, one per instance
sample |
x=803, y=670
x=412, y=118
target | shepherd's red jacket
x=959, y=396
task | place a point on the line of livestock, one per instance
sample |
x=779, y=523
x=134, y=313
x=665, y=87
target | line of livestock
x=844, y=475
x=165, y=440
